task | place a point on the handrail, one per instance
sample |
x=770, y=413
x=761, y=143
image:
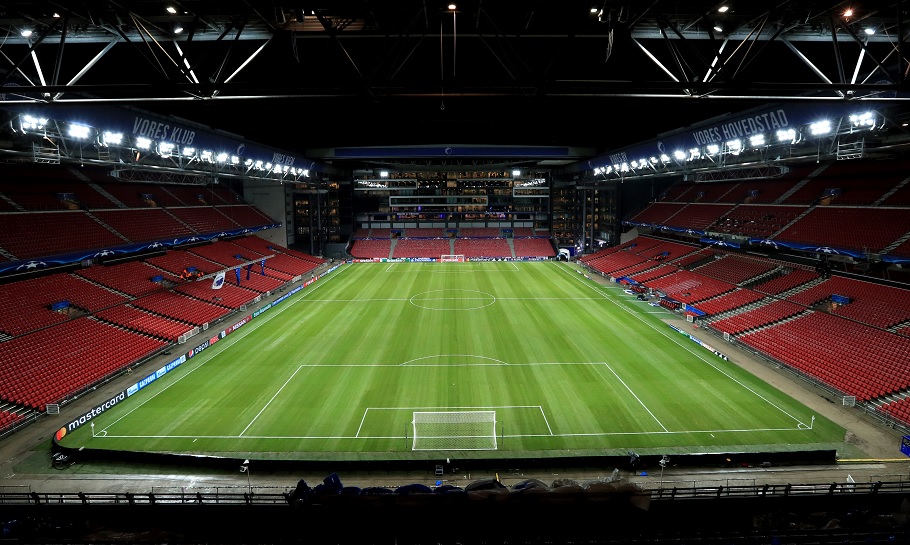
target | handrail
x=656, y=494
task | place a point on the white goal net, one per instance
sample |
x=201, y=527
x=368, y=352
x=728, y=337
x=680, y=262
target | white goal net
x=454, y=430
x=452, y=258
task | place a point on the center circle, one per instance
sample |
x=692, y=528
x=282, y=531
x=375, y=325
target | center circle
x=452, y=299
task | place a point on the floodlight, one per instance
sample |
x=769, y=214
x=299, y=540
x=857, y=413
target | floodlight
x=143, y=142
x=258, y=165
x=189, y=152
x=723, y=9
x=820, y=127
x=735, y=146
x=248, y=163
x=178, y=28
x=653, y=160
x=694, y=153
x=171, y=9
x=383, y=173
x=757, y=140
x=111, y=138
x=26, y=33
x=713, y=149
x=609, y=169
x=306, y=172
x=268, y=166
x=235, y=160
x=869, y=31
x=718, y=27
x=787, y=135
x=624, y=167
x=664, y=158
x=634, y=164
x=28, y=122
x=221, y=157
x=848, y=12
x=206, y=156
x=78, y=131
x=865, y=119
x=516, y=173
x=165, y=149
x=679, y=155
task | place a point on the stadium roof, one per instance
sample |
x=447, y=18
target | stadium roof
x=592, y=75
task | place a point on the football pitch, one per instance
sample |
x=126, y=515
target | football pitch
x=490, y=359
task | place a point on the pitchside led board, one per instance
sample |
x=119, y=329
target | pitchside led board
x=905, y=445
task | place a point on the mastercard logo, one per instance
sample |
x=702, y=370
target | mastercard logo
x=61, y=433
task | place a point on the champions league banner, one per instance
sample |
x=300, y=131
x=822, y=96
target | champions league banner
x=896, y=259
x=28, y=265
x=719, y=243
x=778, y=244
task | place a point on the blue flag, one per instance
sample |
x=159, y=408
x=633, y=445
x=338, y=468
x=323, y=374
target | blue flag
x=237, y=274
x=262, y=266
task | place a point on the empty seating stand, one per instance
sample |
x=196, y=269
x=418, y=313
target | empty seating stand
x=368, y=248
x=729, y=301
x=873, y=304
x=855, y=359
x=145, y=322
x=182, y=307
x=32, y=235
x=29, y=305
x=735, y=269
x=862, y=229
x=688, y=287
x=135, y=278
x=52, y=364
x=421, y=247
x=483, y=247
x=144, y=224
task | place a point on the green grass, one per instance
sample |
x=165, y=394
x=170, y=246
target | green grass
x=570, y=367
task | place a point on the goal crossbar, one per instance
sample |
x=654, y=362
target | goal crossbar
x=454, y=430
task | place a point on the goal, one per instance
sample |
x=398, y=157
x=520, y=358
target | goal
x=454, y=430
x=450, y=258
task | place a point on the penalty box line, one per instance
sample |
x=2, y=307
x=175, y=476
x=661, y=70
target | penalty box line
x=224, y=344
x=675, y=340
x=538, y=407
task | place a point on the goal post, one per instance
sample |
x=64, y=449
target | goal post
x=454, y=430
x=459, y=258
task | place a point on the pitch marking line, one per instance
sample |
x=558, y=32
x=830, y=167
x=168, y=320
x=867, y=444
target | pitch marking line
x=677, y=342
x=547, y=422
x=270, y=400
x=496, y=363
x=540, y=408
x=226, y=343
x=659, y=423
x=473, y=267
x=517, y=436
x=404, y=299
